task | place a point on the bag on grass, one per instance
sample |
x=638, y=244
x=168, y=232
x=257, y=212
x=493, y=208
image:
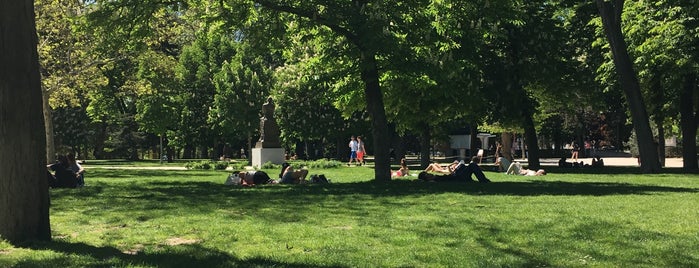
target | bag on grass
x=233, y=179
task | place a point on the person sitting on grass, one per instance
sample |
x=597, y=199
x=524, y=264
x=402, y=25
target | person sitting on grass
x=77, y=168
x=63, y=176
x=291, y=176
x=462, y=172
x=502, y=163
x=402, y=171
x=437, y=168
x=517, y=169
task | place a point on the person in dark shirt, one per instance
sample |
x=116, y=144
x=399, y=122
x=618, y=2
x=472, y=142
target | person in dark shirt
x=62, y=176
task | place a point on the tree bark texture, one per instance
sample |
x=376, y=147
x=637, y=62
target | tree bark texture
x=611, y=19
x=506, y=150
x=24, y=197
x=532, y=148
x=375, y=107
x=425, y=141
x=48, y=122
x=689, y=122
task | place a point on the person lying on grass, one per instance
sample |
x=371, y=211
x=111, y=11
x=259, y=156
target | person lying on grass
x=291, y=176
x=517, y=169
x=437, y=168
x=249, y=178
x=462, y=172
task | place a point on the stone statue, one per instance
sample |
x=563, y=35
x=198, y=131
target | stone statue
x=269, y=130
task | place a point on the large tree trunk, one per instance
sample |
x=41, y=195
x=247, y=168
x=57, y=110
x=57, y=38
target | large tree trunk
x=375, y=107
x=611, y=19
x=24, y=197
x=689, y=122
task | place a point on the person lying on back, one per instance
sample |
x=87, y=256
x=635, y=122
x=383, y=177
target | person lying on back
x=462, y=172
x=249, y=178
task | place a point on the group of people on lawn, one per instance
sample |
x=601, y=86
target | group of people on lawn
x=456, y=171
x=288, y=175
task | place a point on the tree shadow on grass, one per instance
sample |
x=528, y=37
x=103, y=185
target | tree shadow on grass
x=204, y=196
x=192, y=255
x=406, y=188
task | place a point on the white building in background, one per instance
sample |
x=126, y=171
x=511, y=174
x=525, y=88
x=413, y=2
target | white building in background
x=461, y=143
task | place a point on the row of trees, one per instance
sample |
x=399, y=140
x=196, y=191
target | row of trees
x=118, y=76
x=122, y=74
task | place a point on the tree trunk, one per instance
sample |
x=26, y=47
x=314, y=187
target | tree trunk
x=532, y=143
x=506, y=149
x=24, y=197
x=689, y=122
x=425, y=141
x=474, y=140
x=48, y=122
x=611, y=19
x=375, y=107
x=100, y=138
x=658, y=94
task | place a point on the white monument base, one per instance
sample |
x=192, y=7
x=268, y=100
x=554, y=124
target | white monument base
x=264, y=155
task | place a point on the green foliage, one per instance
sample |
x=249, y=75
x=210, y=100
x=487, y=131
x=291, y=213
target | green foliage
x=270, y=165
x=323, y=163
x=207, y=165
x=238, y=165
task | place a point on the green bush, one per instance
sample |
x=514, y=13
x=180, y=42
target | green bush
x=206, y=165
x=220, y=165
x=320, y=163
x=238, y=165
x=270, y=165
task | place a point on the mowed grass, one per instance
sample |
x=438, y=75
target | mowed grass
x=158, y=218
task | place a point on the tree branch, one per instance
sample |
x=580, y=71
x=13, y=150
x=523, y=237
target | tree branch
x=313, y=16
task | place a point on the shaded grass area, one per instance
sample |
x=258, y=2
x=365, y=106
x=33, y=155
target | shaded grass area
x=155, y=218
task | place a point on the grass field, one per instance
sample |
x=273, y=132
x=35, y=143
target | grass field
x=165, y=218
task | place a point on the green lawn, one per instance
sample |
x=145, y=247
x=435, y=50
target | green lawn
x=156, y=218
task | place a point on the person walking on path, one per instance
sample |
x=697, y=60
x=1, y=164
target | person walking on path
x=354, y=146
x=361, y=151
x=574, y=153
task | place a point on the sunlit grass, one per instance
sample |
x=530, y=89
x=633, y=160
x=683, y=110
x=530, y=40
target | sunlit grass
x=156, y=218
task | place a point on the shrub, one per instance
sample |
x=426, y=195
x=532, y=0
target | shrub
x=238, y=165
x=220, y=165
x=320, y=163
x=270, y=165
x=324, y=163
x=206, y=165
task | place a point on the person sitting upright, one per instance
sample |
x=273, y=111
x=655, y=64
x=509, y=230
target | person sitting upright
x=402, y=171
x=63, y=176
x=291, y=176
x=502, y=163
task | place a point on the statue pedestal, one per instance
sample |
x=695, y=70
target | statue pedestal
x=264, y=155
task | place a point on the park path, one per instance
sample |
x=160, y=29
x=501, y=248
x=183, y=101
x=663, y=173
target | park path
x=611, y=161
x=608, y=161
x=136, y=167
